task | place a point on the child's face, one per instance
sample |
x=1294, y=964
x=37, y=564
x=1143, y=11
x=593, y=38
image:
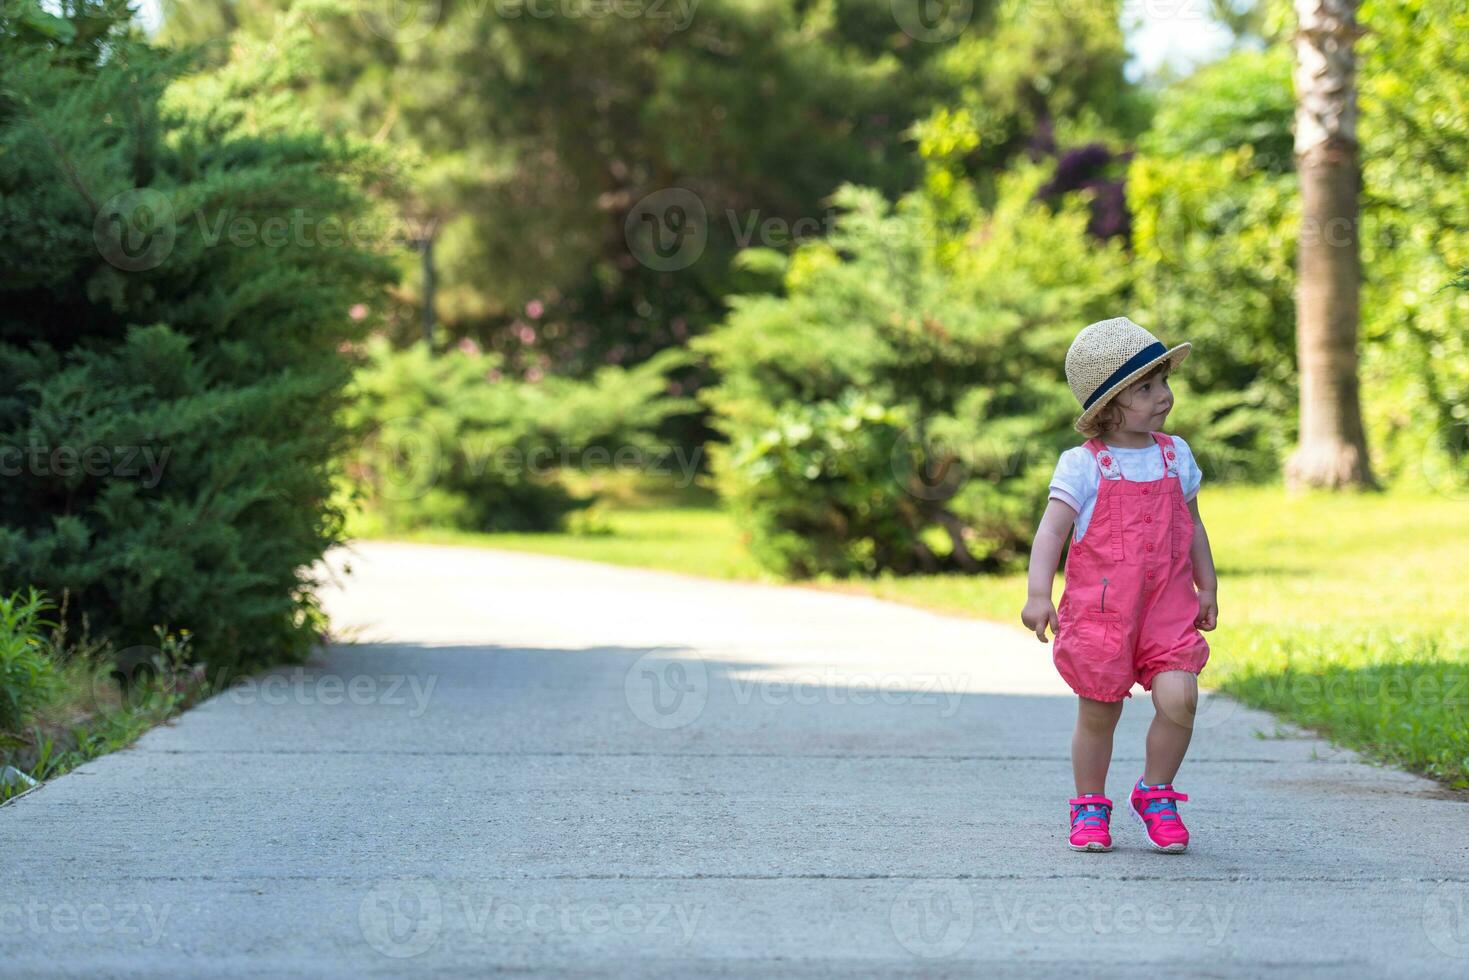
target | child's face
x=1145, y=404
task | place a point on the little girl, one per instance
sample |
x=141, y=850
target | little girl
x=1129, y=610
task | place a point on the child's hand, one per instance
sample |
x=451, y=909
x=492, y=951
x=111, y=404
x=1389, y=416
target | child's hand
x=1208, y=610
x=1037, y=613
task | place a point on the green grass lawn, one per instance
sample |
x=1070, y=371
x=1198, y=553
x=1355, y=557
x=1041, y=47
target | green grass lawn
x=1343, y=613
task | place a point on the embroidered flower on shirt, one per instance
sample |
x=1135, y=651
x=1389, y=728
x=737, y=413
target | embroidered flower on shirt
x=1169, y=454
x=1106, y=460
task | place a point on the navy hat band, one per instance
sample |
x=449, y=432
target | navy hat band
x=1148, y=353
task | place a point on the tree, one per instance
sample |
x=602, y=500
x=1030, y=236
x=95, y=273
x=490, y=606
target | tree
x=1332, y=451
x=548, y=131
x=179, y=258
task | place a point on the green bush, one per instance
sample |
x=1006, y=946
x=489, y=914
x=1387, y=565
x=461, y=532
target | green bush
x=446, y=441
x=1415, y=239
x=1215, y=218
x=816, y=491
x=181, y=257
x=901, y=406
x=28, y=674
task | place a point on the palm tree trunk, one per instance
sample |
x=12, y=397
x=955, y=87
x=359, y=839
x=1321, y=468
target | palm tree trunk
x=1332, y=451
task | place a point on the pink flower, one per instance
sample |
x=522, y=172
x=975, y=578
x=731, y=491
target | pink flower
x=468, y=346
x=527, y=333
x=1170, y=454
x=533, y=375
x=1106, y=460
x=534, y=309
x=358, y=311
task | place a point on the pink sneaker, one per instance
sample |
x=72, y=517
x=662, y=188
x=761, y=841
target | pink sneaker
x=1090, y=818
x=1157, y=810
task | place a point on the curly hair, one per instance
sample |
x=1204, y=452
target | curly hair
x=1110, y=417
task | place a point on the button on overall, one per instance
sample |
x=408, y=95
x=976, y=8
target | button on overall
x=1128, y=608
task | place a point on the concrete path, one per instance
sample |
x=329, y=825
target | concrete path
x=535, y=765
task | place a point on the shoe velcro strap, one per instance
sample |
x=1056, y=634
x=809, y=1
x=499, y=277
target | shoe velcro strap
x=1091, y=800
x=1162, y=794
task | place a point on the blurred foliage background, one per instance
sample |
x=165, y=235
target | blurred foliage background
x=832, y=251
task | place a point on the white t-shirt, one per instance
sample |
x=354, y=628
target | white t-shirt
x=1078, y=476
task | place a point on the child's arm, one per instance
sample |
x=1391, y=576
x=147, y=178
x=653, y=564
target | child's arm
x=1204, y=576
x=1045, y=555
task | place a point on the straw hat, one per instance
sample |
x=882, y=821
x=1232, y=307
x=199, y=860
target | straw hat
x=1109, y=355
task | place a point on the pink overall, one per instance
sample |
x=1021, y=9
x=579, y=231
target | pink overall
x=1128, y=609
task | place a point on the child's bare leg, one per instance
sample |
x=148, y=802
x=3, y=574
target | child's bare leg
x=1175, y=699
x=1091, y=745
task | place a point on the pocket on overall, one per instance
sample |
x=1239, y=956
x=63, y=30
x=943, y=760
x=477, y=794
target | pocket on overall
x=1088, y=654
x=1183, y=529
